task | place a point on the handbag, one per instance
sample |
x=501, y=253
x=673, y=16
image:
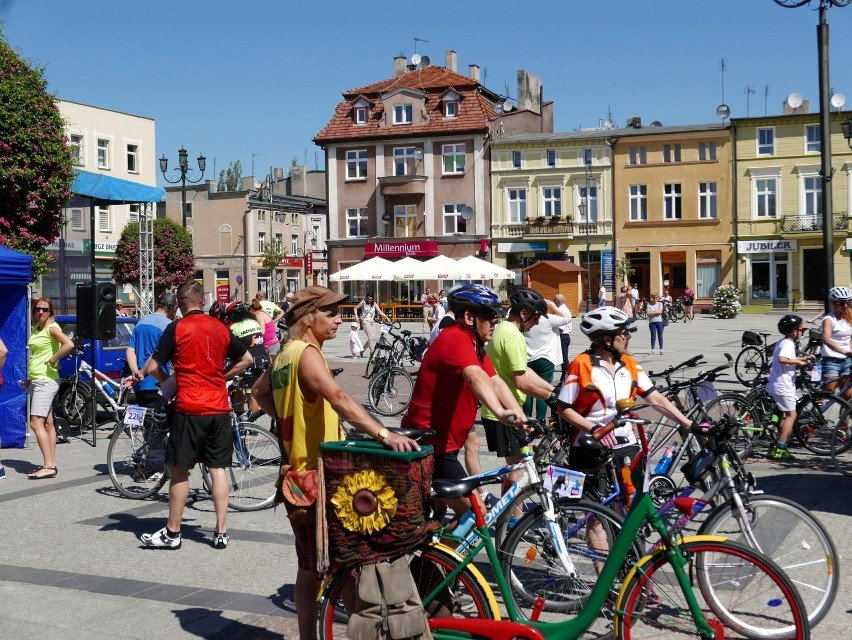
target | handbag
x=298, y=491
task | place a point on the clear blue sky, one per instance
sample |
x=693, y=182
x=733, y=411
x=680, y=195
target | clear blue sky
x=231, y=79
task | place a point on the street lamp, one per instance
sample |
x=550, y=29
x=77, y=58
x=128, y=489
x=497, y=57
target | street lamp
x=825, y=131
x=183, y=168
x=847, y=131
x=585, y=210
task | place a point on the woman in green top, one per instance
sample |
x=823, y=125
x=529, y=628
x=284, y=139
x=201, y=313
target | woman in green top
x=47, y=346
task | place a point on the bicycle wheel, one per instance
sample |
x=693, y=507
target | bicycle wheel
x=678, y=312
x=526, y=500
x=840, y=443
x=750, y=421
x=137, y=464
x=254, y=468
x=749, y=364
x=468, y=596
x=389, y=392
x=75, y=401
x=791, y=536
x=741, y=593
x=262, y=420
x=819, y=413
x=529, y=561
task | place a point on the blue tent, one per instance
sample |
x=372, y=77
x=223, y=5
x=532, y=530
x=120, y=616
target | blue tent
x=111, y=190
x=16, y=273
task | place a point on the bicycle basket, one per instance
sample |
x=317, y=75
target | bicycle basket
x=815, y=336
x=375, y=499
x=697, y=468
x=751, y=338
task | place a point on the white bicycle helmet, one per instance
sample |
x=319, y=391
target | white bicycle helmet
x=605, y=320
x=839, y=293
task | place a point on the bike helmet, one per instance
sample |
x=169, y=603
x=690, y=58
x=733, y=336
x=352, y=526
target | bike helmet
x=476, y=298
x=217, y=310
x=236, y=310
x=788, y=323
x=605, y=320
x=839, y=293
x=526, y=298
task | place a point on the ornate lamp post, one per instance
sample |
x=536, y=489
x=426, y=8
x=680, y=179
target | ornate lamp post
x=825, y=131
x=183, y=168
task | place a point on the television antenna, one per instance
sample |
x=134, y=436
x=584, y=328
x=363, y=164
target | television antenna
x=416, y=40
x=749, y=91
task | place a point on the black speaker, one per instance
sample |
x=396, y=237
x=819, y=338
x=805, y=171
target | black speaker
x=106, y=311
x=84, y=310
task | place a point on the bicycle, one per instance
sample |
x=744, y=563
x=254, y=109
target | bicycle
x=391, y=386
x=639, y=309
x=723, y=580
x=755, y=356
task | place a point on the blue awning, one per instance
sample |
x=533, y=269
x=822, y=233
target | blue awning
x=15, y=267
x=114, y=190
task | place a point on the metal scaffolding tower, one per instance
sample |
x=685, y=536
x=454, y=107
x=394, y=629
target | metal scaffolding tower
x=147, y=212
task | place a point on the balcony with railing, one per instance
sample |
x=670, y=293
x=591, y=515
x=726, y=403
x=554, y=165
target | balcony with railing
x=792, y=225
x=551, y=226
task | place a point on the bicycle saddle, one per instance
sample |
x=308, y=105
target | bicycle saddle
x=337, y=371
x=449, y=489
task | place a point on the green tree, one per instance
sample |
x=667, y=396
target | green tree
x=231, y=179
x=35, y=163
x=623, y=269
x=174, y=262
x=271, y=256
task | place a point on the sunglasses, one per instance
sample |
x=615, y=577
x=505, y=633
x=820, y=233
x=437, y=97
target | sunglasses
x=44, y=309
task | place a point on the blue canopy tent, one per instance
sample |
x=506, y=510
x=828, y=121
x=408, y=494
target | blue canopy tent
x=16, y=273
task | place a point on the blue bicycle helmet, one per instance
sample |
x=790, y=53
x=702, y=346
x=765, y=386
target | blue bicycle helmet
x=476, y=298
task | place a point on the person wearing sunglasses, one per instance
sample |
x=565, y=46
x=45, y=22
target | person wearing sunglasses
x=47, y=346
x=836, y=349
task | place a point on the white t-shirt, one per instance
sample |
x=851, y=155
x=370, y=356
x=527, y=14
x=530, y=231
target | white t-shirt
x=841, y=335
x=543, y=339
x=565, y=328
x=782, y=377
x=356, y=348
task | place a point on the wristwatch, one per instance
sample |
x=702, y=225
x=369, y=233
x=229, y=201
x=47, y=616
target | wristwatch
x=381, y=435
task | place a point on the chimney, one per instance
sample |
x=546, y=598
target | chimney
x=398, y=65
x=298, y=181
x=473, y=73
x=805, y=107
x=452, y=60
x=529, y=91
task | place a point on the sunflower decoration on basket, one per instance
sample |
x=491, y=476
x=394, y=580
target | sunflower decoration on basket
x=364, y=502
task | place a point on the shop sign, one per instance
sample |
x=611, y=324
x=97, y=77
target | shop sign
x=411, y=248
x=309, y=263
x=105, y=247
x=766, y=246
x=608, y=268
x=71, y=246
x=520, y=247
x=290, y=262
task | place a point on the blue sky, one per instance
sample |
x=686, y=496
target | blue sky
x=232, y=79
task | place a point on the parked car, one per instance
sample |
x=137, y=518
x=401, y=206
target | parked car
x=111, y=354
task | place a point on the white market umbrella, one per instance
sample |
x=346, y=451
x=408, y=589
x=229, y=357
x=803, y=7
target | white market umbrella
x=376, y=269
x=440, y=268
x=408, y=269
x=473, y=268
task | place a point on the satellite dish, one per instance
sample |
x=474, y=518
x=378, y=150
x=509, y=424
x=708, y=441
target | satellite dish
x=656, y=123
x=507, y=106
x=425, y=61
x=466, y=212
x=723, y=111
x=608, y=123
x=415, y=59
x=838, y=100
x=795, y=100
x=498, y=107
x=418, y=154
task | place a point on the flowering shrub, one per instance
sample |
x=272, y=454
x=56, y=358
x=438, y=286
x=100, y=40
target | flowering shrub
x=35, y=164
x=726, y=302
x=174, y=262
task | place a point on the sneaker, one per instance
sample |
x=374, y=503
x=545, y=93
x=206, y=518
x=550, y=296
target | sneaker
x=779, y=453
x=490, y=501
x=2, y=473
x=160, y=540
x=220, y=540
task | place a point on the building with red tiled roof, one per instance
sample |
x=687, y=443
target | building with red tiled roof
x=408, y=165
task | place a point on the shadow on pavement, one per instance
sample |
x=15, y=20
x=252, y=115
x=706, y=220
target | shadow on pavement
x=129, y=523
x=207, y=623
x=811, y=490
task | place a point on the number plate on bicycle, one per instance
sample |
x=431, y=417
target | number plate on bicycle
x=134, y=416
x=567, y=482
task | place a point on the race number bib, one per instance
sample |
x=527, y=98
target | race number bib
x=134, y=416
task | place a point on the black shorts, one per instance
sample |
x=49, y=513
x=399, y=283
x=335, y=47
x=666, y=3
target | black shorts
x=448, y=467
x=207, y=439
x=503, y=440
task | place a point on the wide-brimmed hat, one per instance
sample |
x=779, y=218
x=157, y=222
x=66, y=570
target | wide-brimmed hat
x=310, y=299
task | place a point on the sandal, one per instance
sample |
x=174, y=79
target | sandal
x=33, y=476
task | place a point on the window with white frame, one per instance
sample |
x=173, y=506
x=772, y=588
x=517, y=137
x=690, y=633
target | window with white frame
x=225, y=239
x=261, y=215
x=133, y=213
x=315, y=233
x=551, y=201
x=812, y=196
x=77, y=221
x=405, y=220
x=638, y=202
x=591, y=203
x=356, y=164
x=189, y=210
x=453, y=221
x=360, y=115
x=453, y=155
x=766, y=197
x=75, y=146
x=766, y=141
x=103, y=153
x=707, y=200
x=672, y=206
x=103, y=219
x=451, y=108
x=517, y=202
x=279, y=242
x=403, y=114
x=671, y=153
x=638, y=155
x=813, y=141
x=404, y=161
x=261, y=242
x=356, y=223
x=516, y=159
x=133, y=158
x=551, y=157
x=294, y=244
x=706, y=151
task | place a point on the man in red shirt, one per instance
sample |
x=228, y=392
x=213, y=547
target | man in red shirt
x=454, y=374
x=197, y=346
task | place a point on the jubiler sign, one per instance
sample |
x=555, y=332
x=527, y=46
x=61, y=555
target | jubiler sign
x=766, y=246
x=413, y=248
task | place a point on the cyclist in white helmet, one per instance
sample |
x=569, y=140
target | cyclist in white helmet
x=836, y=349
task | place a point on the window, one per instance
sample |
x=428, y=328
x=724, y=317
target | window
x=294, y=244
x=591, y=203
x=671, y=153
x=360, y=115
x=706, y=151
x=638, y=202
x=75, y=146
x=103, y=219
x=451, y=108
x=404, y=161
x=225, y=246
x=551, y=157
x=709, y=277
x=453, y=158
x=403, y=114
x=813, y=201
x=261, y=242
x=133, y=158
x=188, y=210
x=279, y=242
x=405, y=220
x=766, y=195
x=279, y=216
x=356, y=164
x=638, y=155
x=517, y=205
x=356, y=223
x=103, y=153
x=813, y=143
x=551, y=201
x=315, y=233
x=77, y=223
x=707, y=200
x=516, y=159
x=766, y=142
x=671, y=201
x=453, y=221
x=261, y=215
x=133, y=213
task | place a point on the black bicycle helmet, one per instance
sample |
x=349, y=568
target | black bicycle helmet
x=476, y=298
x=237, y=310
x=788, y=323
x=217, y=310
x=526, y=298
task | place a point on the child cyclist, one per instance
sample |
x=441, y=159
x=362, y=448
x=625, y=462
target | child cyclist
x=782, y=381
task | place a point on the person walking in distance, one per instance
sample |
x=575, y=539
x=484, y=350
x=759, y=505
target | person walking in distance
x=565, y=330
x=145, y=338
x=602, y=296
x=624, y=301
x=301, y=392
x=655, y=322
x=366, y=312
x=270, y=308
x=427, y=308
x=688, y=302
x=197, y=346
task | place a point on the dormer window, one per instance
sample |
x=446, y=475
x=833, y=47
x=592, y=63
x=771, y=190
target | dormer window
x=360, y=115
x=403, y=114
x=451, y=108
x=361, y=110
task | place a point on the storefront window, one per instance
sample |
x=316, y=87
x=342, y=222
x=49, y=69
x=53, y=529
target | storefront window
x=709, y=275
x=760, y=283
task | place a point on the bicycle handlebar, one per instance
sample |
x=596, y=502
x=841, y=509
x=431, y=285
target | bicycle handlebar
x=692, y=362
